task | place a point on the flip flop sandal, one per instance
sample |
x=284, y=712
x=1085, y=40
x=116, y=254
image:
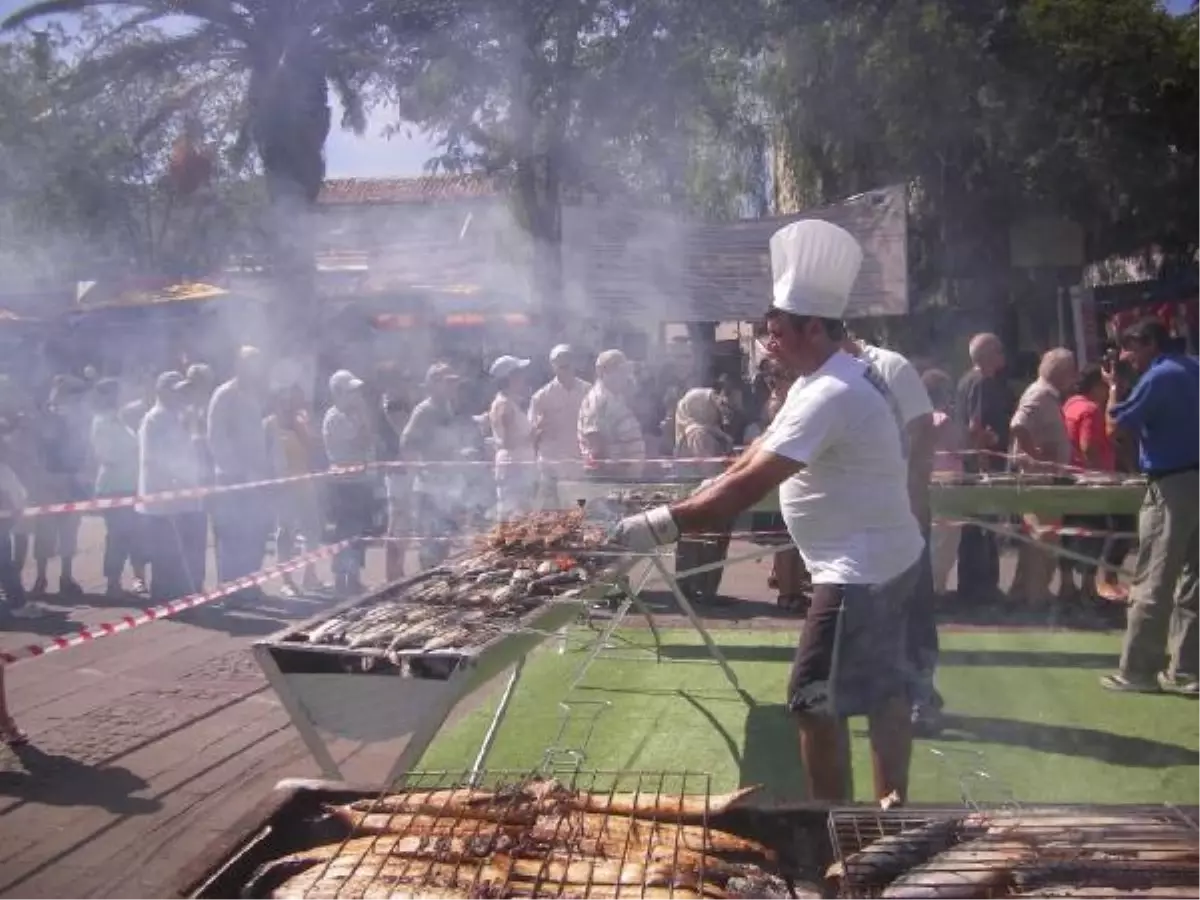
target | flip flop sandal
x=1119, y=683
x=1184, y=687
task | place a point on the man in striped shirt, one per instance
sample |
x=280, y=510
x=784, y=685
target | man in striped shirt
x=609, y=434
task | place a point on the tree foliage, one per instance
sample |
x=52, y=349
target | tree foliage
x=84, y=186
x=612, y=97
x=995, y=111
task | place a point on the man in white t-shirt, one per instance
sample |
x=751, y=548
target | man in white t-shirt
x=554, y=414
x=914, y=409
x=835, y=453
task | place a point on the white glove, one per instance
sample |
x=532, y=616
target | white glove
x=647, y=531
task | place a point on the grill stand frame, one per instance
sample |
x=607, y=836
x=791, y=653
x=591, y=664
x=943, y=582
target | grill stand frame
x=431, y=701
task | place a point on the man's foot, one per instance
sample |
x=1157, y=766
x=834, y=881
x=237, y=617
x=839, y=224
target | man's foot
x=29, y=611
x=1111, y=592
x=1119, y=683
x=1183, y=685
x=139, y=586
x=287, y=589
x=39, y=587
x=69, y=587
x=312, y=583
x=11, y=734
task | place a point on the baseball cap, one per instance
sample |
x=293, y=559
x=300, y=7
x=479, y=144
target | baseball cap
x=168, y=381
x=440, y=372
x=344, y=381
x=559, y=352
x=610, y=359
x=506, y=365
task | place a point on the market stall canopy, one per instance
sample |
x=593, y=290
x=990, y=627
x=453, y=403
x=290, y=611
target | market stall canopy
x=95, y=297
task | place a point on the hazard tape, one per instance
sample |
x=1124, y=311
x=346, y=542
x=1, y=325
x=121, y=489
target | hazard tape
x=99, y=504
x=666, y=464
x=154, y=613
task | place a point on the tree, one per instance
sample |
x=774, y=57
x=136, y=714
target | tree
x=280, y=58
x=587, y=95
x=85, y=189
x=994, y=111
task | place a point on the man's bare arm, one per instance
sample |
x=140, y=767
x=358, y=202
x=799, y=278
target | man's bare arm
x=748, y=481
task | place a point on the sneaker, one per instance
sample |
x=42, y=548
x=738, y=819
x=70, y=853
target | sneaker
x=288, y=590
x=139, y=586
x=1183, y=685
x=1119, y=683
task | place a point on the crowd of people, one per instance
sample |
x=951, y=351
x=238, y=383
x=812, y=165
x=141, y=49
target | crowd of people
x=431, y=469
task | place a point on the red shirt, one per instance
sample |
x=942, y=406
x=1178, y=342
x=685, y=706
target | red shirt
x=1085, y=424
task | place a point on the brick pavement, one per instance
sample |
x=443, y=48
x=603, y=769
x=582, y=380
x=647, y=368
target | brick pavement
x=147, y=745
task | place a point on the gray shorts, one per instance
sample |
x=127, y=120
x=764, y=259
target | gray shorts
x=851, y=656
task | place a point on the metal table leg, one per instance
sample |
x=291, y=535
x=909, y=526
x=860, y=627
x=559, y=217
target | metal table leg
x=298, y=714
x=686, y=606
x=489, y=737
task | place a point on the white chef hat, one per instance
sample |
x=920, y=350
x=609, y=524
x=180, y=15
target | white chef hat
x=813, y=266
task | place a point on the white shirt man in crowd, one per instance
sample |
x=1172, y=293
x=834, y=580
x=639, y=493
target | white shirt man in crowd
x=609, y=434
x=238, y=446
x=554, y=414
x=915, y=411
x=177, y=532
x=349, y=441
x=835, y=453
x=1040, y=444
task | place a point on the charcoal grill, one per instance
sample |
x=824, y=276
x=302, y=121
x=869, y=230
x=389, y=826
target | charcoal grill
x=372, y=695
x=1075, y=851
x=299, y=819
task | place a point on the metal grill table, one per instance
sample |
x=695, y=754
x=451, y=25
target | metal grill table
x=372, y=695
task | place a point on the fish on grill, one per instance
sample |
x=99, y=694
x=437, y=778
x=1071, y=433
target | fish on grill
x=537, y=839
x=883, y=860
x=974, y=869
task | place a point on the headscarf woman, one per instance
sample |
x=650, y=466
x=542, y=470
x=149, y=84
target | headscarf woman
x=516, y=460
x=698, y=436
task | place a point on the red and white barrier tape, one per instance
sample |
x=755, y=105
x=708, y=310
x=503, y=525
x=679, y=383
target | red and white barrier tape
x=154, y=613
x=99, y=504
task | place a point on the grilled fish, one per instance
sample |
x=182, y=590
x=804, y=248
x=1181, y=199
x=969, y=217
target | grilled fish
x=975, y=869
x=650, y=805
x=881, y=861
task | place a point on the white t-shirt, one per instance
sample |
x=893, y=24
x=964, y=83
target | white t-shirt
x=847, y=510
x=902, y=380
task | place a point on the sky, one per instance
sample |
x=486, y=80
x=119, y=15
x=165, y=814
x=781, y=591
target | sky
x=374, y=156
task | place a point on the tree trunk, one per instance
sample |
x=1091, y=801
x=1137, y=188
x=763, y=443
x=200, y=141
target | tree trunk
x=291, y=122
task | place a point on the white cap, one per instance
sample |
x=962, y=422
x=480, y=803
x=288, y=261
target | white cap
x=559, y=352
x=506, y=365
x=610, y=359
x=813, y=267
x=344, y=381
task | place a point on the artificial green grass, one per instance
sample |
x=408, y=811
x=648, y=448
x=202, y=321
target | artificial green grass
x=1027, y=720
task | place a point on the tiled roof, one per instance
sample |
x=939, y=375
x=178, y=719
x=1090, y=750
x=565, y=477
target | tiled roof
x=427, y=189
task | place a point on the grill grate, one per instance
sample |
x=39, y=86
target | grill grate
x=585, y=834
x=1063, y=851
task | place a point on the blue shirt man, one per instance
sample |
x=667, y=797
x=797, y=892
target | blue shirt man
x=1163, y=410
